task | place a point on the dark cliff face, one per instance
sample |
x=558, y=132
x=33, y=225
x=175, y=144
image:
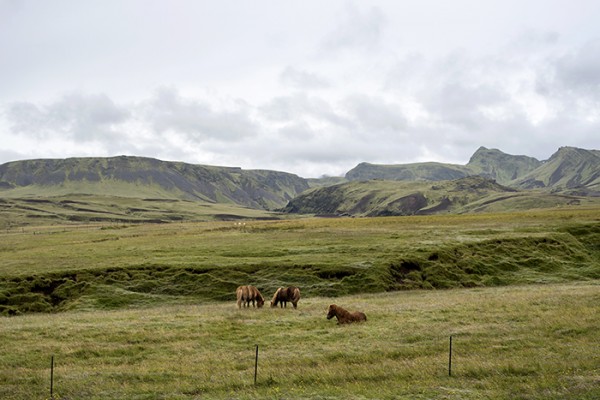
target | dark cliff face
x=252, y=188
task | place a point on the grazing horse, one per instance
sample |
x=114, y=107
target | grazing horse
x=344, y=316
x=283, y=295
x=247, y=295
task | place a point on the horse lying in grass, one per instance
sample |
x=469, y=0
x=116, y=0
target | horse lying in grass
x=344, y=316
x=249, y=294
x=283, y=295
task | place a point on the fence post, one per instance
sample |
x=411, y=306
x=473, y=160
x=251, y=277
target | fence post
x=450, y=358
x=52, y=377
x=256, y=365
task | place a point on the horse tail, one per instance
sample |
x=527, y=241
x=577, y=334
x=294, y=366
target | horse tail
x=275, y=299
x=246, y=293
x=239, y=293
x=295, y=297
x=260, y=300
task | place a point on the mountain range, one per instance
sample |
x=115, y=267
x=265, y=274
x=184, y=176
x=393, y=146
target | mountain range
x=490, y=177
x=570, y=168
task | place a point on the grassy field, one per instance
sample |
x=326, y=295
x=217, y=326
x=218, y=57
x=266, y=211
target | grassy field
x=87, y=266
x=147, y=311
x=518, y=342
x=74, y=210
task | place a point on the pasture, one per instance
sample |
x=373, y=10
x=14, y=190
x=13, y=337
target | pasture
x=109, y=266
x=518, y=342
x=148, y=311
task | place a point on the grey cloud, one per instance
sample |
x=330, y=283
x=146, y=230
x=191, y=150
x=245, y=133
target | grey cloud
x=168, y=111
x=375, y=116
x=26, y=118
x=581, y=69
x=80, y=117
x=458, y=103
x=301, y=79
x=357, y=30
x=299, y=107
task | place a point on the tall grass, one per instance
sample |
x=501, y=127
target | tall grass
x=522, y=342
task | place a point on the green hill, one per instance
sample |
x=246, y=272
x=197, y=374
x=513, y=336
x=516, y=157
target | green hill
x=384, y=198
x=501, y=167
x=569, y=169
x=428, y=171
x=149, y=178
x=138, y=189
x=490, y=163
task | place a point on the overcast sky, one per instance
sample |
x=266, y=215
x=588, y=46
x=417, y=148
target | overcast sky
x=308, y=87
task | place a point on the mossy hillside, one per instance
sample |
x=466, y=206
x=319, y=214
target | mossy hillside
x=388, y=198
x=137, y=265
x=141, y=177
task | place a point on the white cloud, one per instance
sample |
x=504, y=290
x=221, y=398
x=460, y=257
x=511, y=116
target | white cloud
x=168, y=112
x=311, y=89
x=77, y=117
x=302, y=79
x=357, y=30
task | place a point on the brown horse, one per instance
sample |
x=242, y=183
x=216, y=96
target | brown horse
x=247, y=295
x=344, y=316
x=283, y=295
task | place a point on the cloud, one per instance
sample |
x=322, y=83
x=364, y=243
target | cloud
x=168, y=112
x=302, y=107
x=357, y=30
x=580, y=69
x=366, y=101
x=374, y=116
x=295, y=78
x=79, y=117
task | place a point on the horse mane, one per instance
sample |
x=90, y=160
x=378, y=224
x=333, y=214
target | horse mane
x=340, y=312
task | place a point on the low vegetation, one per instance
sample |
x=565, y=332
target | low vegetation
x=521, y=342
x=147, y=311
x=57, y=268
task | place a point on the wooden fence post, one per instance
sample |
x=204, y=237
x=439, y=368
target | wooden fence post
x=52, y=377
x=450, y=358
x=256, y=365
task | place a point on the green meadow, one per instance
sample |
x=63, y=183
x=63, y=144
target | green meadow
x=147, y=311
x=516, y=342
